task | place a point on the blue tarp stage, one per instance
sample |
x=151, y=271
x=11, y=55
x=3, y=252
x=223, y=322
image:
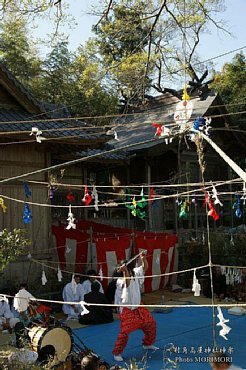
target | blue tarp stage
x=189, y=331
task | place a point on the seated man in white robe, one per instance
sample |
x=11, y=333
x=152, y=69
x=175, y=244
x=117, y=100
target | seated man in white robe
x=73, y=292
x=86, y=285
x=22, y=301
x=7, y=320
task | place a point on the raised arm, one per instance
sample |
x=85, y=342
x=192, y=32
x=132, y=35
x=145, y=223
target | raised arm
x=144, y=261
x=126, y=275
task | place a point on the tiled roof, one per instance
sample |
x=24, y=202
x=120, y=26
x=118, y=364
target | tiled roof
x=117, y=156
x=55, y=128
x=137, y=128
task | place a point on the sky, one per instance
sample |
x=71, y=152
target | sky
x=211, y=44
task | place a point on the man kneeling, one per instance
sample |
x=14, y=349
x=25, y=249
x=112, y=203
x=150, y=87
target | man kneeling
x=97, y=314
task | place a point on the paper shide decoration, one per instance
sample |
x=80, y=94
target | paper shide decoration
x=100, y=273
x=59, y=274
x=137, y=207
x=95, y=197
x=84, y=309
x=70, y=197
x=183, y=213
x=28, y=192
x=27, y=216
x=87, y=197
x=244, y=193
x=4, y=207
x=237, y=207
x=222, y=322
x=201, y=124
x=212, y=211
x=163, y=131
x=215, y=196
x=43, y=278
x=38, y=134
x=196, y=287
x=183, y=110
x=70, y=219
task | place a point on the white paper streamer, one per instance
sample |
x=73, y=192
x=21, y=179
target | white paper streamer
x=38, y=134
x=84, y=309
x=215, y=196
x=44, y=279
x=95, y=197
x=100, y=273
x=196, y=287
x=59, y=274
x=74, y=285
x=70, y=219
x=222, y=322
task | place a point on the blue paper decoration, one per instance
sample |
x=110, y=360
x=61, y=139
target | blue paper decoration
x=27, y=190
x=237, y=206
x=27, y=216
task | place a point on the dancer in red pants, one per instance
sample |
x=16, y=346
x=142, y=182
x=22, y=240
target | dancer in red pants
x=133, y=318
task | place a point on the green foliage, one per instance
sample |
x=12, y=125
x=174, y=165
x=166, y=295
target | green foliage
x=16, y=50
x=12, y=244
x=143, y=44
x=230, y=83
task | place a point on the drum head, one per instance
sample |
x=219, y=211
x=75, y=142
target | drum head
x=60, y=339
x=57, y=337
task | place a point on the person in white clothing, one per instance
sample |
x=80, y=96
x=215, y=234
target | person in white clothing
x=128, y=292
x=7, y=319
x=22, y=301
x=73, y=292
x=222, y=361
x=87, y=283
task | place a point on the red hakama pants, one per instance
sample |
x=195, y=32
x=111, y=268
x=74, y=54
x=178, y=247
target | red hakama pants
x=131, y=320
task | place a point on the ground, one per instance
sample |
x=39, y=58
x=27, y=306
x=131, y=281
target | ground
x=154, y=298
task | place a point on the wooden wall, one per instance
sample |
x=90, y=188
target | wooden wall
x=16, y=160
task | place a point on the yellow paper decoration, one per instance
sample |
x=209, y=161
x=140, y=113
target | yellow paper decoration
x=4, y=208
x=185, y=95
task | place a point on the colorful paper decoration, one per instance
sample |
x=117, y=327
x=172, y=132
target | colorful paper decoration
x=70, y=219
x=70, y=197
x=137, y=207
x=183, y=210
x=158, y=127
x=38, y=134
x=222, y=322
x=237, y=206
x=28, y=192
x=27, y=216
x=51, y=192
x=212, y=212
x=183, y=110
x=4, y=207
x=163, y=131
x=87, y=197
x=142, y=203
